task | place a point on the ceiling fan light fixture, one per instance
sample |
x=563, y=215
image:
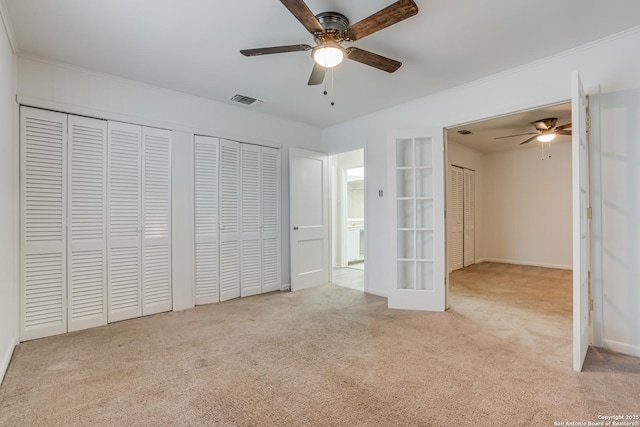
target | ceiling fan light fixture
x=547, y=137
x=328, y=55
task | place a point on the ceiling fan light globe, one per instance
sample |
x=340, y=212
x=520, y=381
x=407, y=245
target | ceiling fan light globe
x=328, y=56
x=546, y=137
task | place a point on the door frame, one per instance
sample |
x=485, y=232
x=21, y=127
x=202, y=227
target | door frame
x=597, y=302
x=332, y=184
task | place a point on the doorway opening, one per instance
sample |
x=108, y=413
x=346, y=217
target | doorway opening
x=510, y=223
x=348, y=219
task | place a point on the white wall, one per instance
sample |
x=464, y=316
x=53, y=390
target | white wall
x=459, y=155
x=527, y=209
x=616, y=199
x=60, y=87
x=606, y=63
x=9, y=206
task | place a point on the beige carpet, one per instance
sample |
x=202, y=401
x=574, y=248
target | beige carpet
x=330, y=356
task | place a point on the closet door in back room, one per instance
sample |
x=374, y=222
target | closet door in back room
x=87, y=219
x=43, y=211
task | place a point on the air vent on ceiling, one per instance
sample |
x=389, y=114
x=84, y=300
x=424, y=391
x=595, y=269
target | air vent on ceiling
x=465, y=132
x=243, y=99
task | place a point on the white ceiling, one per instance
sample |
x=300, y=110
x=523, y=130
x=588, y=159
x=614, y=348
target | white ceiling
x=192, y=46
x=483, y=134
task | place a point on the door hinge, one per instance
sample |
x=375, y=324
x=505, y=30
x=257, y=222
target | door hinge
x=590, y=305
x=589, y=213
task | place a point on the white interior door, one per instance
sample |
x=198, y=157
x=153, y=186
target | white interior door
x=456, y=217
x=87, y=230
x=309, y=218
x=416, y=207
x=270, y=221
x=580, y=230
x=124, y=192
x=156, y=225
x=250, y=220
x=229, y=220
x=43, y=206
x=206, y=150
x=469, y=218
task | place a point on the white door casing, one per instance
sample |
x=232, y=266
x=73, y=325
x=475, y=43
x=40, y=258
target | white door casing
x=580, y=231
x=87, y=219
x=43, y=211
x=417, y=227
x=206, y=153
x=309, y=218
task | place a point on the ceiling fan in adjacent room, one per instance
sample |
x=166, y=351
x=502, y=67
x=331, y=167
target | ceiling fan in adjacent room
x=331, y=29
x=546, y=131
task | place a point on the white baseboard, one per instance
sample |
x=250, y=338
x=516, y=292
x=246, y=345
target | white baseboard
x=6, y=358
x=377, y=292
x=529, y=263
x=621, y=347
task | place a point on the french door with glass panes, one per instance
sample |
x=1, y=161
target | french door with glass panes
x=416, y=206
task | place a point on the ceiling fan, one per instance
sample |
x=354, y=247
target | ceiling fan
x=330, y=29
x=546, y=131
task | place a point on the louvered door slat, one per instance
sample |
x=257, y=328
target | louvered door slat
x=43, y=143
x=229, y=226
x=124, y=221
x=156, y=213
x=270, y=210
x=251, y=254
x=87, y=188
x=206, y=219
x=469, y=217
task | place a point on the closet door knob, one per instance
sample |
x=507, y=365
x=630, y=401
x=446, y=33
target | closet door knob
x=295, y=227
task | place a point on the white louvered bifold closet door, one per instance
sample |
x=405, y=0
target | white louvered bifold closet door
x=156, y=215
x=229, y=220
x=456, y=217
x=87, y=229
x=250, y=221
x=206, y=219
x=43, y=136
x=124, y=221
x=270, y=189
x=469, y=217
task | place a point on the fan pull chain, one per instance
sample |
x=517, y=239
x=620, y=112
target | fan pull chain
x=542, y=151
x=332, y=91
x=549, y=150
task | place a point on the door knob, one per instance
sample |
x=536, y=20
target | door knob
x=295, y=227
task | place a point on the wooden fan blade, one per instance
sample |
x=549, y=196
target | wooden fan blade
x=563, y=127
x=275, y=49
x=317, y=75
x=519, y=134
x=301, y=11
x=564, y=132
x=398, y=11
x=529, y=140
x=373, y=59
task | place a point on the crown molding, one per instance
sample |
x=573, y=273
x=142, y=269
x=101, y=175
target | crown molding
x=8, y=27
